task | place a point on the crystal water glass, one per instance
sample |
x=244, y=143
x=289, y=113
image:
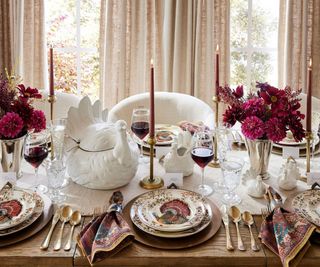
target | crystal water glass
x=231, y=172
x=56, y=172
x=57, y=129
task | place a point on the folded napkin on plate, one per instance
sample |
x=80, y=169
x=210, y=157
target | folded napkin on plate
x=287, y=235
x=106, y=234
x=192, y=127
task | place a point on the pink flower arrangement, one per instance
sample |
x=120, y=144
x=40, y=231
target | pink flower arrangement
x=268, y=114
x=17, y=115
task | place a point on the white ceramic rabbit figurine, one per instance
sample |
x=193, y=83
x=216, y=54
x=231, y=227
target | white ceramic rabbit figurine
x=179, y=158
x=289, y=174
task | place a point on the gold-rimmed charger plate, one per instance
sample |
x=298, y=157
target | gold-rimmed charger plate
x=175, y=243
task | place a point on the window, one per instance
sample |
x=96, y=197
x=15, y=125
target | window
x=73, y=31
x=254, y=42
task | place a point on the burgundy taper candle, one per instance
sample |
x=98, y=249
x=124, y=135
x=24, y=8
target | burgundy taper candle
x=217, y=71
x=151, y=132
x=309, y=98
x=51, y=88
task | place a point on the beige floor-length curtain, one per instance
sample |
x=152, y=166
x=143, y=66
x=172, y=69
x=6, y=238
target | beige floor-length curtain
x=299, y=38
x=5, y=44
x=180, y=35
x=22, y=40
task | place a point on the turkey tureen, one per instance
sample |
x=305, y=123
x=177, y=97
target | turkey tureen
x=103, y=155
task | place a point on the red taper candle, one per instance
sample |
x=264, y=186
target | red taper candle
x=151, y=132
x=51, y=88
x=309, y=97
x=217, y=71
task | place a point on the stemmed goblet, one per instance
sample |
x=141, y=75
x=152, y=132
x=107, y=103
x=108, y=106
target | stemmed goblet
x=35, y=151
x=202, y=154
x=231, y=171
x=140, y=125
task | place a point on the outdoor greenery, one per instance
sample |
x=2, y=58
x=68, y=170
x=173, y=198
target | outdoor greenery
x=76, y=61
x=263, y=35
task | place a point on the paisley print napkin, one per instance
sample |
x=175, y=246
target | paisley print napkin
x=286, y=234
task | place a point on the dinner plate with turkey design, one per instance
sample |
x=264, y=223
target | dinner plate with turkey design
x=19, y=206
x=307, y=204
x=170, y=210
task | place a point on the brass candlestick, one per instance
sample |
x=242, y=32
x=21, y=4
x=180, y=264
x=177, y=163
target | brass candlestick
x=151, y=181
x=215, y=162
x=308, y=151
x=51, y=99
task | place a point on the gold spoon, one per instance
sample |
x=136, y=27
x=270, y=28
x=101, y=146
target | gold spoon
x=74, y=220
x=235, y=214
x=65, y=217
x=248, y=220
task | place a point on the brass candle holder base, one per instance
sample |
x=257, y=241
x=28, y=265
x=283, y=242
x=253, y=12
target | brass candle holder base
x=148, y=183
x=214, y=164
x=151, y=181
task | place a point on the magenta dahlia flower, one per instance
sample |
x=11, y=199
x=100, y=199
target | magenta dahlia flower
x=11, y=125
x=275, y=130
x=255, y=107
x=253, y=128
x=37, y=121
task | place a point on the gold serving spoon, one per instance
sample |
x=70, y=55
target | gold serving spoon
x=74, y=220
x=235, y=214
x=65, y=217
x=248, y=220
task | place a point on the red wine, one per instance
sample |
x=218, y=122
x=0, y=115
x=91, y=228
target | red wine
x=140, y=128
x=36, y=155
x=202, y=156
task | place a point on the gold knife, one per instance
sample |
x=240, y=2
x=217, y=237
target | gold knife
x=225, y=220
x=55, y=220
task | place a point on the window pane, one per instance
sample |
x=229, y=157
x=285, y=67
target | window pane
x=90, y=74
x=238, y=23
x=89, y=22
x=263, y=68
x=61, y=23
x=65, y=72
x=238, y=68
x=265, y=16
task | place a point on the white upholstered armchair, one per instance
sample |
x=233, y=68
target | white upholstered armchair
x=170, y=108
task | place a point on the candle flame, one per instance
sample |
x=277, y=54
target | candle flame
x=310, y=63
x=151, y=62
x=217, y=48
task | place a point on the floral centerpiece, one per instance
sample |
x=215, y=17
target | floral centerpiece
x=265, y=117
x=267, y=114
x=17, y=115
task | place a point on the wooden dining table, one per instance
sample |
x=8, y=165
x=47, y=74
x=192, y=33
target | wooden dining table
x=213, y=252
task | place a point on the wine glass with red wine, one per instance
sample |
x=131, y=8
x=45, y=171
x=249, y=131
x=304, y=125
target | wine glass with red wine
x=202, y=154
x=35, y=151
x=140, y=125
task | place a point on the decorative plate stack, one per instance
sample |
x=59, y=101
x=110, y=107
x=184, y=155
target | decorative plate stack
x=307, y=204
x=171, y=213
x=164, y=134
x=289, y=141
x=19, y=209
